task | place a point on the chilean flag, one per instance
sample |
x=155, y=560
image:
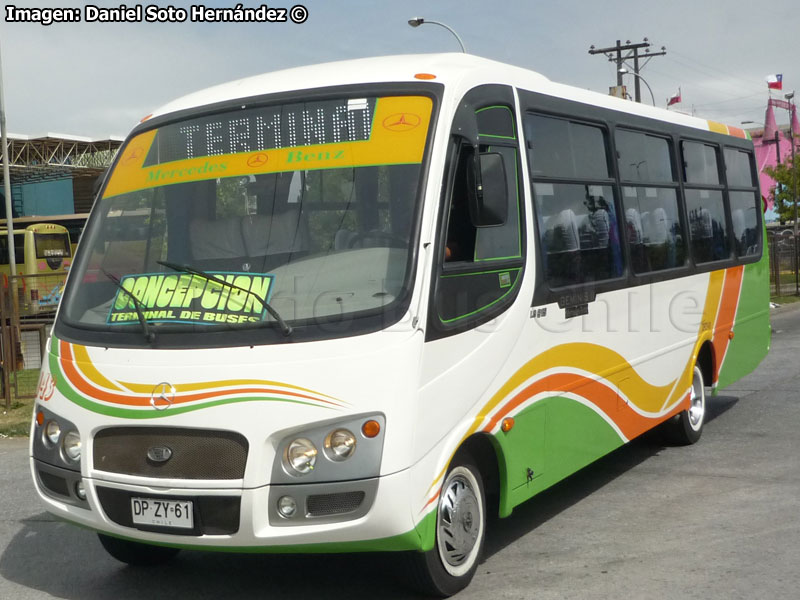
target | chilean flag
x=775, y=82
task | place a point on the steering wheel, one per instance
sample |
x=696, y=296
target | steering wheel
x=392, y=240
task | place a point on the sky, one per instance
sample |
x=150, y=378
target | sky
x=99, y=79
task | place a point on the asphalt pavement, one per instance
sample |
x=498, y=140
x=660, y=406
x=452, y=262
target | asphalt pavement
x=720, y=519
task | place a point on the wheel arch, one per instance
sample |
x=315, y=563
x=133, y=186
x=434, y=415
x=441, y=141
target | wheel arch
x=706, y=361
x=488, y=458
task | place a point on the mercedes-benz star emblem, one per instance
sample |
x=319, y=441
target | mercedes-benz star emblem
x=159, y=454
x=162, y=396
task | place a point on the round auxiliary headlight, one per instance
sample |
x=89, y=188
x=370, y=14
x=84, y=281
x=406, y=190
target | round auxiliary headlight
x=287, y=507
x=72, y=445
x=52, y=431
x=80, y=490
x=340, y=444
x=301, y=456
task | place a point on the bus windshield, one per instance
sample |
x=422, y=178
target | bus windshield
x=307, y=206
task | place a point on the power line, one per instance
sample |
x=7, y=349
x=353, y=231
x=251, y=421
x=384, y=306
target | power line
x=614, y=54
x=716, y=70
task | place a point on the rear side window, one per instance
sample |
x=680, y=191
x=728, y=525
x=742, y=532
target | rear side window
x=745, y=202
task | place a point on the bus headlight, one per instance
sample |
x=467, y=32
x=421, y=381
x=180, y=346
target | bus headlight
x=301, y=456
x=340, y=445
x=52, y=431
x=71, y=445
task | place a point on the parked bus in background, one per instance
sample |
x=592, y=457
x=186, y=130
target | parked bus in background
x=43, y=256
x=356, y=307
x=73, y=223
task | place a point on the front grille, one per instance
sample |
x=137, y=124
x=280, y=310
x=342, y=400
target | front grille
x=334, y=504
x=195, y=453
x=213, y=515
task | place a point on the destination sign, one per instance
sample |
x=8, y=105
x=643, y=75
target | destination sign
x=265, y=128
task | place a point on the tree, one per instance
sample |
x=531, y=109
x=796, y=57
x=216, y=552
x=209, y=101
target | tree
x=785, y=174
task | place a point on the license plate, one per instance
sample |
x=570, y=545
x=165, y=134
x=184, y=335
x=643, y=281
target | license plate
x=162, y=513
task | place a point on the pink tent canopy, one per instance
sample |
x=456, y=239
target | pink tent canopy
x=766, y=156
x=767, y=150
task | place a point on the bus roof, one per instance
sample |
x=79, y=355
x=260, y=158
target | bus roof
x=458, y=70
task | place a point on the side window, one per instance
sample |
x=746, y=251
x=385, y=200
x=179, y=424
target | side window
x=19, y=247
x=708, y=229
x=744, y=200
x=578, y=220
x=655, y=234
x=480, y=267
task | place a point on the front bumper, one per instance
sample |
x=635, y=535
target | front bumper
x=241, y=519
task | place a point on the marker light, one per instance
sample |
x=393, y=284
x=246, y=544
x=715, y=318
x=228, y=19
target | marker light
x=287, y=507
x=301, y=456
x=371, y=428
x=71, y=445
x=507, y=424
x=52, y=431
x=40, y=418
x=340, y=445
x=425, y=76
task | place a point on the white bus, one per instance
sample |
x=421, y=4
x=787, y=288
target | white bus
x=359, y=306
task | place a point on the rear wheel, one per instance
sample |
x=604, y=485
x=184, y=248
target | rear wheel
x=460, y=532
x=686, y=427
x=136, y=553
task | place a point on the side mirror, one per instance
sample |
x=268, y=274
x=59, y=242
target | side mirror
x=489, y=201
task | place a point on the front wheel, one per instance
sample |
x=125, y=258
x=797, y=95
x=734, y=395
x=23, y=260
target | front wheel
x=136, y=553
x=686, y=427
x=460, y=532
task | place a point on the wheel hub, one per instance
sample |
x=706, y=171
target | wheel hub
x=458, y=527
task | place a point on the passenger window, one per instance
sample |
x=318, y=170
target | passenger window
x=578, y=233
x=578, y=221
x=561, y=148
x=700, y=163
x=707, y=226
x=652, y=216
x=643, y=158
x=737, y=168
x=653, y=225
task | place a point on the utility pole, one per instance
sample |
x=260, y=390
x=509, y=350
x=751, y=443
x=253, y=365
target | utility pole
x=614, y=54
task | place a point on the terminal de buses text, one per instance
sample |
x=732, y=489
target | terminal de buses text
x=152, y=13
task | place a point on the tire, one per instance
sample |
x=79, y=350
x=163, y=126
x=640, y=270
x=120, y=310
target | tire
x=460, y=532
x=686, y=427
x=135, y=553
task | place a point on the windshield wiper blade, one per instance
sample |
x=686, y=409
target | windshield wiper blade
x=137, y=305
x=285, y=327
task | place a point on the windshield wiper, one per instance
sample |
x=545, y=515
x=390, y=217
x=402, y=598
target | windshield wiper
x=285, y=327
x=149, y=335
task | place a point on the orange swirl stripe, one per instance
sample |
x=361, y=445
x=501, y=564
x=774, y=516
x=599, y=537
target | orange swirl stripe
x=601, y=396
x=82, y=382
x=731, y=291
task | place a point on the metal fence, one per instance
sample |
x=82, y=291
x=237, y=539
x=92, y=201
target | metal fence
x=784, y=263
x=27, y=308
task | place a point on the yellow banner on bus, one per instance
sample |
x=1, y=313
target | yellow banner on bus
x=398, y=134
